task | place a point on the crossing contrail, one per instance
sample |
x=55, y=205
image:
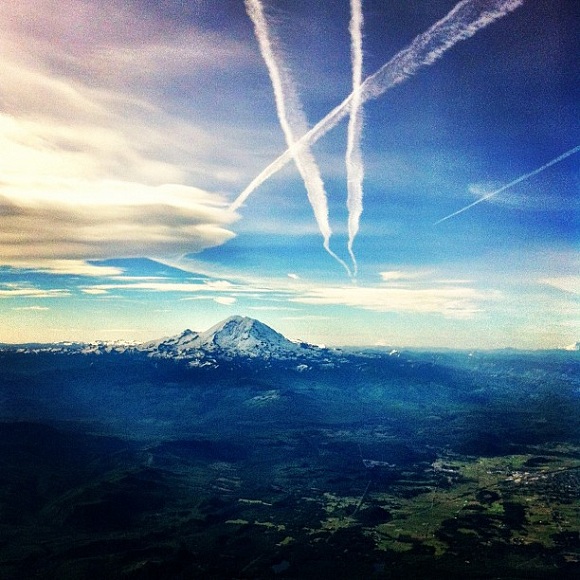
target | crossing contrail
x=465, y=20
x=512, y=183
x=354, y=160
x=293, y=122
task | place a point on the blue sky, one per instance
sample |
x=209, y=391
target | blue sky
x=129, y=127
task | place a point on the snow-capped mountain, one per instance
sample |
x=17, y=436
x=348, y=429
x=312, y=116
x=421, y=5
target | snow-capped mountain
x=236, y=337
x=245, y=335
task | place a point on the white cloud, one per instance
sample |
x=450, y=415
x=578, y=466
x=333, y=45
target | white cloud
x=71, y=267
x=219, y=285
x=95, y=91
x=78, y=220
x=225, y=300
x=201, y=290
x=150, y=287
x=451, y=302
x=114, y=43
x=94, y=291
x=14, y=291
x=92, y=152
x=398, y=275
x=393, y=275
x=32, y=308
x=413, y=291
x=541, y=193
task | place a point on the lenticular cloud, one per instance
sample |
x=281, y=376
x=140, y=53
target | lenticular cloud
x=464, y=20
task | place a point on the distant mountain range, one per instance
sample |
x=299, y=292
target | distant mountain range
x=237, y=338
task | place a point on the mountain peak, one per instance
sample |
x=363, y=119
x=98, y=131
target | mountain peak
x=236, y=337
x=244, y=335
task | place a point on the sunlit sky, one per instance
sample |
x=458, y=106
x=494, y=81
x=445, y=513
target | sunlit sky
x=128, y=127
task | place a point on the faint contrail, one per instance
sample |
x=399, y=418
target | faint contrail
x=354, y=160
x=467, y=18
x=512, y=183
x=292, y=121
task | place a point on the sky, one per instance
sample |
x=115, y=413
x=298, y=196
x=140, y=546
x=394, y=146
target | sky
x=129, y=129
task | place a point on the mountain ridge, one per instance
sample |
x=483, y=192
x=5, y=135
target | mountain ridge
x=237, y=338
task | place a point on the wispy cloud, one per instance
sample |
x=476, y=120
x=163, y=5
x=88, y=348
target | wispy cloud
x=65, y=267
x=91, y=152
x=292, y=121
x=513, y=183
x=412, y=291
x=450, y=302
x=77, y=220
x=94, y=291
x=211, y=287
x=225, y=300
x=400, y=275
x=200, y=296
x=354, y=160
x=15, y=291
x=150, y=287
x=465, y=20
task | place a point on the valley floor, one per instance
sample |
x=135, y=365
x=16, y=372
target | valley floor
x=123, y=469
x=293, y=507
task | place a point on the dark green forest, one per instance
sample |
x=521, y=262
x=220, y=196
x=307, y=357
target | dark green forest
x=420, y=465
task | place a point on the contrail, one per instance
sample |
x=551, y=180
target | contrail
x=293, y=122
x=354, y=160
x=467, y=18
x=512, y=183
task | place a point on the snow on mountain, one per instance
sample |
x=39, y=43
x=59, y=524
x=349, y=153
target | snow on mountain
x=241, y=336
x=237, y=338
x=98, y=347
x=181, y=346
